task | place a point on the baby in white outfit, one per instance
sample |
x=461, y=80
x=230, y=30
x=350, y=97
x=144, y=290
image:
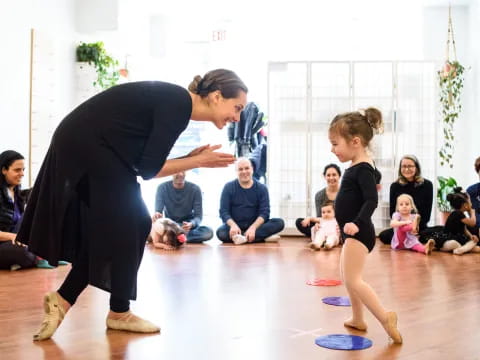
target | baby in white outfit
x=326, y=233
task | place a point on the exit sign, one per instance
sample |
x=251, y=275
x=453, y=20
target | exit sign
x=219, y=35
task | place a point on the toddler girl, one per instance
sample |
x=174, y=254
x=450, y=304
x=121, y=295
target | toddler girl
x=405, y=225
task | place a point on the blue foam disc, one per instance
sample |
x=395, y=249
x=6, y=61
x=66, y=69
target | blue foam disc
x=343, y=342
x=337, y=300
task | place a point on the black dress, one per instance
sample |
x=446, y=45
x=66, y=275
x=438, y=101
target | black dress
x=356, y=201
x=86, y=202
x=454, y=230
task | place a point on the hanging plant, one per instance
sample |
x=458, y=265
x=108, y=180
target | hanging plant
x=95, y=54
x=451, y=84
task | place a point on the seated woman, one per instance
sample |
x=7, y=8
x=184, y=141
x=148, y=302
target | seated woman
x=474, y=193
x=13, y=255
x=411, y=182
x=332, y=174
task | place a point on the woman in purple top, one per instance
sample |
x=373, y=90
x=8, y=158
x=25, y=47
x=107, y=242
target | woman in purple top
x=12, y=204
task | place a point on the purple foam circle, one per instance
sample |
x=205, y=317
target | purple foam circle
x=343, y=342
x=337, y=300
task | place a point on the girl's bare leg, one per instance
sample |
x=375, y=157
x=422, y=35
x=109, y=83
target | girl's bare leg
x=354, y=256
x=465, y=248
x=357, y=320
x=450, y=245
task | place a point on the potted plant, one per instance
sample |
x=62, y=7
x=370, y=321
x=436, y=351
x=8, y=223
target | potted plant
x=445, y=187
x=95, y=54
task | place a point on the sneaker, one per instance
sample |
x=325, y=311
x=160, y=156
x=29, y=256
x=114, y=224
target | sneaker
x=239, y=239
x=272, y=238
x=43, y=264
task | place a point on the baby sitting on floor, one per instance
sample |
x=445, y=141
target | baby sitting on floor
x=325, y=233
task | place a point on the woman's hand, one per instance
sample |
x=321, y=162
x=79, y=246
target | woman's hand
x=306, y=222
x=209, y=158
x=198, y=150
x=350, y=228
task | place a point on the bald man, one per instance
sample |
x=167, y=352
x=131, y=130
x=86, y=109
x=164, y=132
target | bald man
x=245, y=209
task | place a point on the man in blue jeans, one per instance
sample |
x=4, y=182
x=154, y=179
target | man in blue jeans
x=245, y=209
x=181, y=201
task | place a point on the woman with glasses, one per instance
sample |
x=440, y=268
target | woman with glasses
x=410, y=181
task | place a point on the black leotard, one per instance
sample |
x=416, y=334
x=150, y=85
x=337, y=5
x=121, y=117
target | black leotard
x=356, y=201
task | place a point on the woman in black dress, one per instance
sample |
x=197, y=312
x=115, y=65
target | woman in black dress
x=350, y=135
x=86, y=205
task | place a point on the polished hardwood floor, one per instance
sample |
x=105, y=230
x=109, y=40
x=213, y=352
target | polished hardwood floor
x=252, y=302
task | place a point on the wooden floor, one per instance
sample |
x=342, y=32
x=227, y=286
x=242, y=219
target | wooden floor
x=251, y=302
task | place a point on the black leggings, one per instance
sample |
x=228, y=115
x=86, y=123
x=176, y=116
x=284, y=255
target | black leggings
x=77, y=280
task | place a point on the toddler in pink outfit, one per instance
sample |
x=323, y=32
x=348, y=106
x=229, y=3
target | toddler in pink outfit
x=405, y=227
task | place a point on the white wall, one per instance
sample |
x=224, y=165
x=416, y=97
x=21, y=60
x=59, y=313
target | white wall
x=52, y=18
x=466, y=31
x=256, y=33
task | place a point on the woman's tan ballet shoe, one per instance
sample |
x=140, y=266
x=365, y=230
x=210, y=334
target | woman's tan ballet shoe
x=391, y=328
x=133, y=323
x=54, y=314
x=361, y=327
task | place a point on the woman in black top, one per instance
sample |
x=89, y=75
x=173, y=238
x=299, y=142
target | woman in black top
x=12, y=204
x=332, y=174
x=86, y=205
x=350, y=135
x=410, y=181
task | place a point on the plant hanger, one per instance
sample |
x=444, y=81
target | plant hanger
x=451, y=84
x=450, y=36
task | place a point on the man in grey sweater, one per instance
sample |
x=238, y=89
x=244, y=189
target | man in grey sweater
x=181, y=201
